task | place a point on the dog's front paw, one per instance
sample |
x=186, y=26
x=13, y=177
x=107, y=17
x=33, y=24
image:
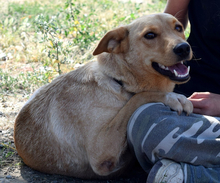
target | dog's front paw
x=179, y=103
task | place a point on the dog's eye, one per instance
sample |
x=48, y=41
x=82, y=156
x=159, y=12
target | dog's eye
x=179, y=28
x=150, y=35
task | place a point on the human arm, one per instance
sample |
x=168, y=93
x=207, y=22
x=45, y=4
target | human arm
x=179, y=9
x=206, y=103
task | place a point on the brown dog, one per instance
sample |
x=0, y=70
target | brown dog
x=76, y=125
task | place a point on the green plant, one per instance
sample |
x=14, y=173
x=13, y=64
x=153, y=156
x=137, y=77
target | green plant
x=24, y=81
x=74, y=27
x=6, y=152
x=49, y=30
x=55, y=35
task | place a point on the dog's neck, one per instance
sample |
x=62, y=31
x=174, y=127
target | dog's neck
x=129, y=78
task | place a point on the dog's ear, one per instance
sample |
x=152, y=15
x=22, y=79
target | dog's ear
x=115, y=41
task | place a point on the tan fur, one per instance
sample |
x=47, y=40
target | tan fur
x=76, y=125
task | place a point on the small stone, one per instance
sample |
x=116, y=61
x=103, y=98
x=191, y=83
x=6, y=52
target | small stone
x=4, y=181
x=8, y=177
x=3, y=57
x=2, y=114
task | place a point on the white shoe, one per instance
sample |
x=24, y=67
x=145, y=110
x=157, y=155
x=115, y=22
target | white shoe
x=166, y=171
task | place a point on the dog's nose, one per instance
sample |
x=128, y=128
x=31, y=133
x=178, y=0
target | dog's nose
x=182, y=50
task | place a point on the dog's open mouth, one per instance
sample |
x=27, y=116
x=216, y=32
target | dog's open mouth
x=178, y=72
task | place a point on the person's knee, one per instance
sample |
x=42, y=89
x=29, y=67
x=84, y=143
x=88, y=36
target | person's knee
x=143, y=120
x=149, y=125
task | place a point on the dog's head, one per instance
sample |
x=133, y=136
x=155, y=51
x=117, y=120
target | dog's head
x=154, y=42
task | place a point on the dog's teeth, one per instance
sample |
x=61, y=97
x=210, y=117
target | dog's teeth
x=188, y=69
x=182, y=75
x=176, y=74
x=161, y=66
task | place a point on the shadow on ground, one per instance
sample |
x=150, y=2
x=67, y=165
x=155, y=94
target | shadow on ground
x=24, y=174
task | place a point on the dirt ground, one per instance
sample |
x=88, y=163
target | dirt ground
x=13, y=170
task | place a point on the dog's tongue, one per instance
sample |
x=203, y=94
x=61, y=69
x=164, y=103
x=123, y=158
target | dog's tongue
x=180, y=68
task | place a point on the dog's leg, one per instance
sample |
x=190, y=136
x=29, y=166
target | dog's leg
x=110, y=141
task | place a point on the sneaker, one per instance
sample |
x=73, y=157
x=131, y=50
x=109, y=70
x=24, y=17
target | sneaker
x=166, y=171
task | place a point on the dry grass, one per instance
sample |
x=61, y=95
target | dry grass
x=28, y=65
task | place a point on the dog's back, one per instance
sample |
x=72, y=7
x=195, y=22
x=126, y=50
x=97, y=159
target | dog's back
x=55, y=128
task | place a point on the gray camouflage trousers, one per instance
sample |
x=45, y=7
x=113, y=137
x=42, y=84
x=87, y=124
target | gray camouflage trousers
x=156, y=132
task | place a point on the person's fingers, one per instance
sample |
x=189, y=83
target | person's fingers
x=198, y=111
x=198, y=95
x=197, y=103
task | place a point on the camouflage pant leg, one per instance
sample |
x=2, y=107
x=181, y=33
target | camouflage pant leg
x=156, y=132
x=200, y=174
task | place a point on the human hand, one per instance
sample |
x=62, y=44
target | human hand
x=206, y=103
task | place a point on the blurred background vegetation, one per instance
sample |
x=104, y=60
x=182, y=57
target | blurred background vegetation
x=40, y=39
